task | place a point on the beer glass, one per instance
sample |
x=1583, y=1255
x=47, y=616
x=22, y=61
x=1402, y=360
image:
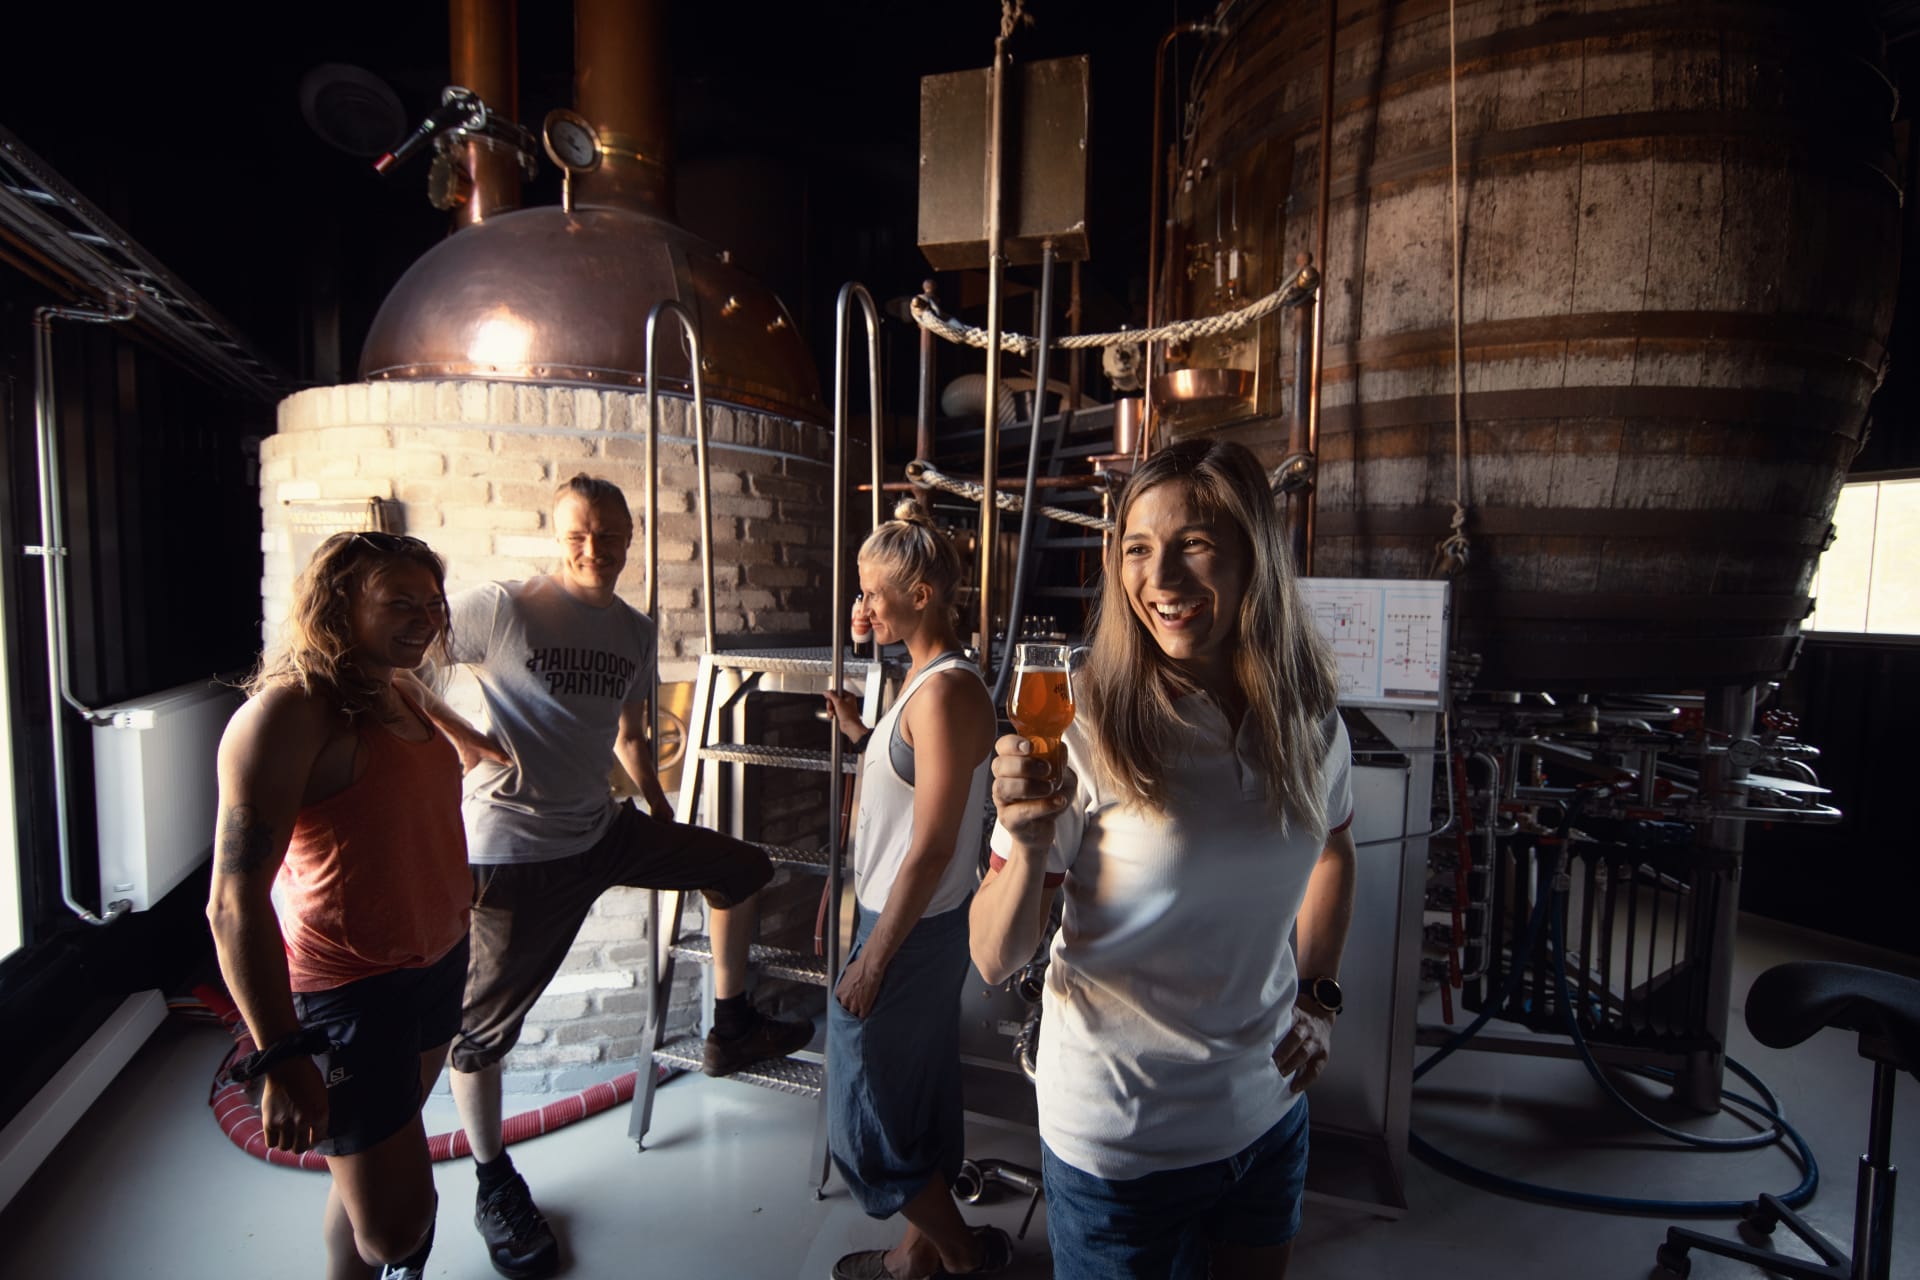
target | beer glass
x=1041, y=703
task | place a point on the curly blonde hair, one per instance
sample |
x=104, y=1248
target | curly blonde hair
x=314, y=650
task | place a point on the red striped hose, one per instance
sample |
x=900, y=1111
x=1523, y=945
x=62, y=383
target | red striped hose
x=239, y=1118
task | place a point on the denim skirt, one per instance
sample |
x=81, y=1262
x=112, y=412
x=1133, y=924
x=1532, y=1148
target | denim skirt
x=893, y=1078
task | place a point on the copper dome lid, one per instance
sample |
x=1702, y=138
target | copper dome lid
x=562, y=295
x=547, y=295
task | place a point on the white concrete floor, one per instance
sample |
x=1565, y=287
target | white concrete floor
x=146, y=1186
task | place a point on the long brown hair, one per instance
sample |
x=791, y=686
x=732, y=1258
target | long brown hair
x=1282, y=667
x=314, y=650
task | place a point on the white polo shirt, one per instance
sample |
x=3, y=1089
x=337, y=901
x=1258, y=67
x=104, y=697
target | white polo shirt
x=1172, y=976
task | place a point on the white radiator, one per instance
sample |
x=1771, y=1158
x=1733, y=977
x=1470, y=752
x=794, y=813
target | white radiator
x=154, y=788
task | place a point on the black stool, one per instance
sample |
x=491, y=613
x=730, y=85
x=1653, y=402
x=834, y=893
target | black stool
x=1787, y=1004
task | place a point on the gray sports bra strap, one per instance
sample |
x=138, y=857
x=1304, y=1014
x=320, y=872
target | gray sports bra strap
x=899, y=750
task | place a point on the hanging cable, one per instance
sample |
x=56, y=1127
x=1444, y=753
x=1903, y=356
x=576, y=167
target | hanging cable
x=1452, y=552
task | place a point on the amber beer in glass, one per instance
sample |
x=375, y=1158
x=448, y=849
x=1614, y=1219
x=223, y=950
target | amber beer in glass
x=1041, y=704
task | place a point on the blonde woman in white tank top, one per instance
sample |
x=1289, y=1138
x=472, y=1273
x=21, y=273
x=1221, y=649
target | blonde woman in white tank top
x=893, y=1055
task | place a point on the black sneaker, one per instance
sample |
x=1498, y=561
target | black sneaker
x=996, y=1251
x=519, y=1241
x=393, y=1271
x=767, y=1038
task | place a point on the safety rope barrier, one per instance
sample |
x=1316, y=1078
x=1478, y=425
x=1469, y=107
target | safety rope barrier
x=927, y=314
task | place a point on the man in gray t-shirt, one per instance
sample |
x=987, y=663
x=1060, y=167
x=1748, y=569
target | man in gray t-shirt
x=567, y=669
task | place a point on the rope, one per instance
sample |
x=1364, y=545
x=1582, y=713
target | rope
x=925, y=473
x=927, y=314
x=1013, y=13
x=1451, y=553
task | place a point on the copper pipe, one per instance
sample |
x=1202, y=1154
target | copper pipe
x=1320, y=294
x=484, y=40
x=1156, y=215
x=621, y=84
x=1075, y=361
x=996, y=273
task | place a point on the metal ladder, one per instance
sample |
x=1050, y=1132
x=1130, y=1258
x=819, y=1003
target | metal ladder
x=725, y=678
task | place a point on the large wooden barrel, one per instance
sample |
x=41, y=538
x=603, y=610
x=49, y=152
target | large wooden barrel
x=1681, y=237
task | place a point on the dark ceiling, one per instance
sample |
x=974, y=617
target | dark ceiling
x=184, y=124
x=796, y=130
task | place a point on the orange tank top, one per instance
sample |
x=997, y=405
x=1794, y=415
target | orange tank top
x=376, y=875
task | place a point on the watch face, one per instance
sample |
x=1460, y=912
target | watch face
x=1326, y=993
x=571, y=142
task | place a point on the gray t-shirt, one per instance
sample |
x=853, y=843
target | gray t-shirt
x=555, y=673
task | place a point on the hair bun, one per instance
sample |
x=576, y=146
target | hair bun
x=911, y=511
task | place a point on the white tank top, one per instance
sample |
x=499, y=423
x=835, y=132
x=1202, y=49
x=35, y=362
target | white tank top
x=884, y=832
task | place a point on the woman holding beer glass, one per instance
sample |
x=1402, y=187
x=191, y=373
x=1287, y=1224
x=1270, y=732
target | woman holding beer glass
x=894, y=1109
x=1198, y=812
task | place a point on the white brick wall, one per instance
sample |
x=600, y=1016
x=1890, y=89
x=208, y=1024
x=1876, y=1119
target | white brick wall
x=473, y=466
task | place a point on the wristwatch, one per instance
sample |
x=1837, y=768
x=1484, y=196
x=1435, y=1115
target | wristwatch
x=1325, y=992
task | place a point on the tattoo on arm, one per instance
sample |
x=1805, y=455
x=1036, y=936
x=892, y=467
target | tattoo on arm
x=245, y=842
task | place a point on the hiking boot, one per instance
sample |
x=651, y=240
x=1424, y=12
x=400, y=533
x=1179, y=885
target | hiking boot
x=519, y=1241
x=767, y=1038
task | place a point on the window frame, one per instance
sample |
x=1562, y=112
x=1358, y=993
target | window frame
x=1849, y=635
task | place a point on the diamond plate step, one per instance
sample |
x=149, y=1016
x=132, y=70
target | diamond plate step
x=788, y=1075
x=778, y=962
x=779, y=757
x=799, y=859
x=812, y=662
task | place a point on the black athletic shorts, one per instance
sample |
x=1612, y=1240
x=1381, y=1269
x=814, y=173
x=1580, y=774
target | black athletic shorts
x=379, y=1027
x=526, y=915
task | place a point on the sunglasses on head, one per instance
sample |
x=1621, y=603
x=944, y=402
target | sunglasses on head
x=388, y=543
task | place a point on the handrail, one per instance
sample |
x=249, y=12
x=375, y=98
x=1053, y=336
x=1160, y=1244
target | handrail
x=668, y=306
x=849, y=292
x=659, y=953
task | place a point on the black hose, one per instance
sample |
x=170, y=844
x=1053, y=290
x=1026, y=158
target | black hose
x=1030, y=512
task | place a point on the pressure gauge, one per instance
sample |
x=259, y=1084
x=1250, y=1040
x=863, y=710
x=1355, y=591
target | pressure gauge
x=571, y=142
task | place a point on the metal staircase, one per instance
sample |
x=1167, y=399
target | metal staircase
x=726, y=679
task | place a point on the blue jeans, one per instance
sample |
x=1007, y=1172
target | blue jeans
x=1161, y=1226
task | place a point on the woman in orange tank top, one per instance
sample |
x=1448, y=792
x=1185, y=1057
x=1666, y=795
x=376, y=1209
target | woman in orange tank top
x=333, y=786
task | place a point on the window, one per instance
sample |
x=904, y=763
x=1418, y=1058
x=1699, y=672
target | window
x=1868, y=581
x=9, y=830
